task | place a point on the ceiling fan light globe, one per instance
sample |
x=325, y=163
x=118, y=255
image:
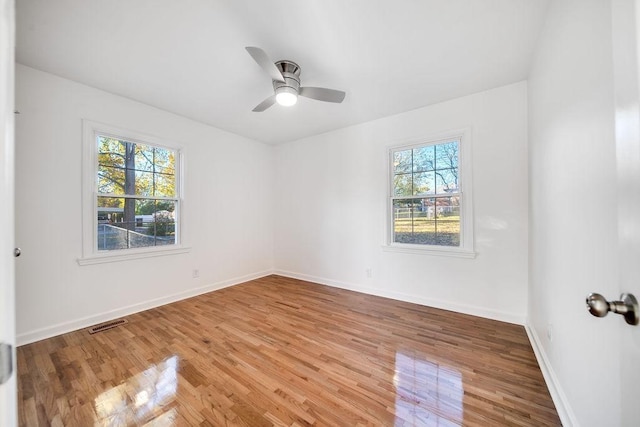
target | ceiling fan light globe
x=286, y=99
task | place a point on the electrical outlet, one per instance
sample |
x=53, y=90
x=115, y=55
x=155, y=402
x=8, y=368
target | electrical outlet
x=550, y=332
x=196, y=273
x=369, y=273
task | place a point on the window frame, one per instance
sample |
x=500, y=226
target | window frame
x=90, y=253
x=466, y=248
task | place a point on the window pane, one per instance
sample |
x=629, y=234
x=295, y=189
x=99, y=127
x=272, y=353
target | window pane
x=402, y=185
x=165, y=185
x=448, y=221
x=402, y=220
x=155, y=221
x=413, y=222
x=144, y=183
x=110, y=223
x=116, y=167
x=165, y=161
x=144, y=158
x=423, y=183
x=402, y=161
x=446, y=180
x=164, y=225
x=110, y=180
x=447, y=155
x=110, y=152
x=134, y=223
x=427, y=221
x=424, y=224
x=424, y=159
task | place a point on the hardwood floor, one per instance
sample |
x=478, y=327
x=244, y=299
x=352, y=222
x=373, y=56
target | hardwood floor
x=279, y=351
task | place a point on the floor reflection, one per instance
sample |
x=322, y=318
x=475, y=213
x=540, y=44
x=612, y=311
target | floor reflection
x=142, y=398
x=427, y=394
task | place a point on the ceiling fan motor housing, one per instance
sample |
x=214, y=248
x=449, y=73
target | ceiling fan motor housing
x=291, y=73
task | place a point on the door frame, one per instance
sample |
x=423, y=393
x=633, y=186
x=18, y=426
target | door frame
x=8, y=393
x=626, y=67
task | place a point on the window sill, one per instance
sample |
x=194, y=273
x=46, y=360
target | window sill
x=130, y=254
x=431, y=250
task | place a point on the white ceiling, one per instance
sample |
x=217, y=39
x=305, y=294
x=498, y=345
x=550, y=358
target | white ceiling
x=188, y=56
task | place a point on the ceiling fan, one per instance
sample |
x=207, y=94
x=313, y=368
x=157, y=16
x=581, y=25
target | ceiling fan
x=286, y=83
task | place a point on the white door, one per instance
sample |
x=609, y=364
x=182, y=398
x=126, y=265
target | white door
x=626, y=42
x=8, y=396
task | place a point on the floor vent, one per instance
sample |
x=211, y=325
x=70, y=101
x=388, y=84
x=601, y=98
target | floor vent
x=107, y=325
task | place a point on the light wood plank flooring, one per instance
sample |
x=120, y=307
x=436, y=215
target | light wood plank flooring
x=279, y=351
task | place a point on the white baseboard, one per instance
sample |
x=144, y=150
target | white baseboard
x=85, y=322
x=444, y=305
x=566, y=414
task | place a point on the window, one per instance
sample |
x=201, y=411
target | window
x=136, y=199
x=428, y=209
x=132, y=194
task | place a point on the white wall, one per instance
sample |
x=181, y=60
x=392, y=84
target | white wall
x=329, y=211
x=227, y=201
x=573, y=207
x=331, y=203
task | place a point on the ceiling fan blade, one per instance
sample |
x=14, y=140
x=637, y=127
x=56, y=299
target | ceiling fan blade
x=261, y=57
x=323, y=94
x=265, y=104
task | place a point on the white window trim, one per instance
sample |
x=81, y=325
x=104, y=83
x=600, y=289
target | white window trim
x=90, y=253
x=466, y=248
